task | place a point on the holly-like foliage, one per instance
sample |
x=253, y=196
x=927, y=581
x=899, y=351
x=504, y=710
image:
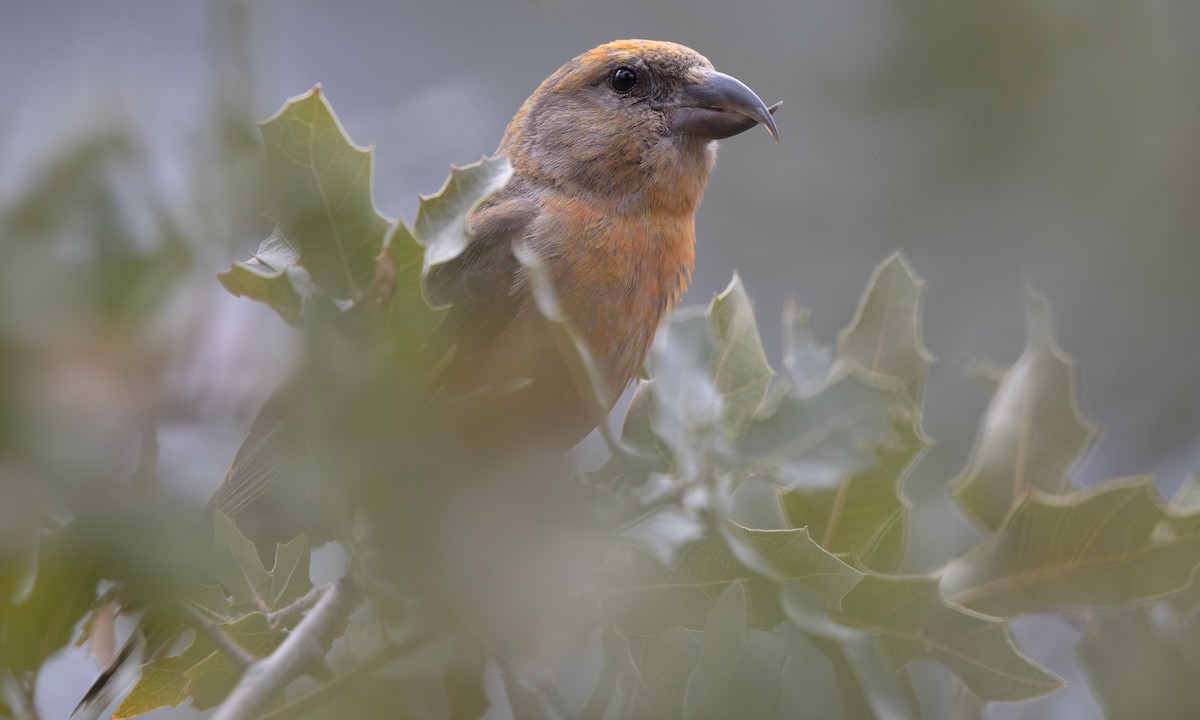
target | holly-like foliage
x=675, y=600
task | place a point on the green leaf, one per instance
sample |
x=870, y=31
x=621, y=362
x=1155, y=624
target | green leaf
x=1136, y=671
x=710, y=376
x=42, y=618
x=1112, y=545
x=724, y=643
x=646, y=597
x=647, y=453
x=869, y=686
x=885, y=335
x=618, y=660
x=240, y=570
x=328, y=231
x=1032, y=432
x=163, y=682
x=201, y=671
x=399, y=291
x=687, y=408
x=322, y=195
x=662, y=665
x=275, y=277
x=441, y=222
x=290, y=578
x=865, y=515
x=740, y=370
x=816, y=436
x=914, y=622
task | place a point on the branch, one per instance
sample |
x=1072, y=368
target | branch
x=217, y=635
x=265, y=679
x=320, y=695
x=277, y=619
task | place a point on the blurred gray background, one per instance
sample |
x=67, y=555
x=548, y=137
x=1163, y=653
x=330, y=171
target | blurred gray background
x=1054, y=142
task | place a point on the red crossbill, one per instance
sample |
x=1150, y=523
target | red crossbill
x=610, y=157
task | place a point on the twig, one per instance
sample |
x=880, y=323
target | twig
x=314, y=698
x=278, y=618
x=265, y=679
x=217, y=635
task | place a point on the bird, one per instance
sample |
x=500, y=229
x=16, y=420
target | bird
x=610, y=157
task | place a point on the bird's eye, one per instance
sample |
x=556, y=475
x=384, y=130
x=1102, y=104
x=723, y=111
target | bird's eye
x=623, y=79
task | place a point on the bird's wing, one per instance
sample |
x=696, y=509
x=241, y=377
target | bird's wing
x=272, y=463
x=484, y=286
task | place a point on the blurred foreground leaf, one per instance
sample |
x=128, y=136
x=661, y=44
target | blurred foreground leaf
x=1137, y=670
x=41, y=618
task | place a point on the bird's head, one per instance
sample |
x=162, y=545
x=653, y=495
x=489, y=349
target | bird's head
x=633, y=121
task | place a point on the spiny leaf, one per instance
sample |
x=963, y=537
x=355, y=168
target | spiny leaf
x=441, y=222
x=201, y=671
x=240, y=570
x=868, y=684
x=328, y=231
x=914, y=622
x=1032, y=432
x=1112, y=545
x=323, y=200
x=275, y=277
x=885, y=335
x=618, y=661
x=710, y=377
x=687, y=407
x=648, y=453
x=724, y=643
x=646, y=597
x=398, y=290
x=290, y=579
x=163, y=683
x=740, y=369
x=865, y=515
x=662, y=664
x=815, y=436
